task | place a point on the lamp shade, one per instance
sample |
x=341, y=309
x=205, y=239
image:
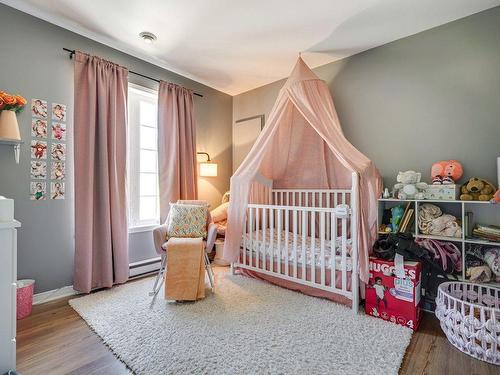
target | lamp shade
x=208, y=169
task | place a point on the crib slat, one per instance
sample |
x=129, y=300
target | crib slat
x=344, y=254
x=295, y=243
x=287, y=230
x=322, y=245
x=257, y=236
x=343, y=197
x=329, y=234
x=271, y=242
x=304, y=221
x=250, y=247
x=245, y=234
x=313, y=247
x=264, y=247
x=333, y=245
x=306, y=196
x=278, y=255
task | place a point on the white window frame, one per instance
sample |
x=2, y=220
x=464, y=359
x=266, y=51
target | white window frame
x=134, y=150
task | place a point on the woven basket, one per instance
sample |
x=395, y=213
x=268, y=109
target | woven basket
x=470, y=318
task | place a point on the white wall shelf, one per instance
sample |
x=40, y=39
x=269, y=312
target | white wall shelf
x=16, y=144
x=483, y=212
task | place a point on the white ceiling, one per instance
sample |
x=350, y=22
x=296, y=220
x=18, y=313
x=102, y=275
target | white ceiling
x=238, y=45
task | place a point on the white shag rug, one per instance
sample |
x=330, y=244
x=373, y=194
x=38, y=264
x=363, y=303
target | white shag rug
x=247, y=327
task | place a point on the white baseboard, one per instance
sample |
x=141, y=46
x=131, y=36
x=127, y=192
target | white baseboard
x=144, y=266
x=51, y=295
x=137, y=268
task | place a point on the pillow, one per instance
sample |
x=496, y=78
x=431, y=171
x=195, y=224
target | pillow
x=186, y=220
x=220, y=213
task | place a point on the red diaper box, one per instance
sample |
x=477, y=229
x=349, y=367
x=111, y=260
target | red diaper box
x=392, y=298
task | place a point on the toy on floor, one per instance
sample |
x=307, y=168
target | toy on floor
x=446, y=172
x=409, y=185
x=496, y=197
x=219, y=215
x=476, y=189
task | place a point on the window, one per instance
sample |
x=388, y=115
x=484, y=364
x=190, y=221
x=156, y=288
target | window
x=143, y=156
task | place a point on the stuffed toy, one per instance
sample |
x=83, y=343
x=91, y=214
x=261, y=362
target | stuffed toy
x=446, y=172
x=476, y=189
x=409, y=185
x=496, y=197
x=396, y=216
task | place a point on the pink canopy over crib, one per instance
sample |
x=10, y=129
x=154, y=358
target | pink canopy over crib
x=302, y=146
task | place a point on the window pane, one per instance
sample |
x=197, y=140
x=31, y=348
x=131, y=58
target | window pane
x=148, y=137
x=148, y=208
x=148, y=113
x=148, y=184
x=148, y=161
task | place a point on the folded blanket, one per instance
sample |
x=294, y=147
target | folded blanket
x=185, y=277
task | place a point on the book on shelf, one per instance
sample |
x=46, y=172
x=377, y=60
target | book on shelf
x=468, y=226
x=406, y=219
x=487, y=232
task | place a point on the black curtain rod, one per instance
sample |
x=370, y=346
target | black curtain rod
x=72, y=52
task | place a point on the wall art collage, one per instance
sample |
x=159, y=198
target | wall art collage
x=48, y=150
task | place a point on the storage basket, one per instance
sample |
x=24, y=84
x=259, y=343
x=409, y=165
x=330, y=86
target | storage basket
x=470, y=317
x=25, y=290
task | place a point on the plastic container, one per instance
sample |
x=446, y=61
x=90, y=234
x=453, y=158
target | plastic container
x=25, y=290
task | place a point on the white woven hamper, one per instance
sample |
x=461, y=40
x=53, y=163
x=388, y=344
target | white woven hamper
x=470, y=318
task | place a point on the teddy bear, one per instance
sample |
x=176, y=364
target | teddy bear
x=446, y=172
x=476, y=189
x=409, y=185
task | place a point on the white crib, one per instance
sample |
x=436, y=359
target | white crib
x=305, y=236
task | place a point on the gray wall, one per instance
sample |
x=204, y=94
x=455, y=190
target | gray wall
x=33, y=64
x=432, y=96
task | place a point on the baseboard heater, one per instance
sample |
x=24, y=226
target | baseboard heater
x=144, y=267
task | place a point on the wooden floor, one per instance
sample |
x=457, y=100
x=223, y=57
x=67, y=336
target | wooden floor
x=55, y=340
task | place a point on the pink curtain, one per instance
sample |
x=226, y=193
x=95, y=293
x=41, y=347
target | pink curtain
x=303, y=146
x=176, y=146
x=100, y=138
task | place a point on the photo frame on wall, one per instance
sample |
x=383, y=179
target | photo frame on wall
x=38, y=190
x=38, y=128
x=39, y=108
x=59, y=112
x=245, y=132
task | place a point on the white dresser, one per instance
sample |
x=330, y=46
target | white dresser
x=8, y=277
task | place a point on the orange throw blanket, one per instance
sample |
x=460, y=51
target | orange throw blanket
x=185, y=276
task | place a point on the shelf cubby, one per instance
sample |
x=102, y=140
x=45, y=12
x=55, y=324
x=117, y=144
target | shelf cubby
x=482, y=213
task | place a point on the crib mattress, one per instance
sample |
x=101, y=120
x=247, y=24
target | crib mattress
x=271, y=247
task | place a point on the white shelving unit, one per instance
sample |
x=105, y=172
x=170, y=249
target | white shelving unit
x=483, y=212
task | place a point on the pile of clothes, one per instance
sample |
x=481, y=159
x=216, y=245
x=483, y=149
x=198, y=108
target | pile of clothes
x=482, y=264
x=439, y=260
x=432, y=221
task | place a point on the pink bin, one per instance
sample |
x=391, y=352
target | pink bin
x=25, y=290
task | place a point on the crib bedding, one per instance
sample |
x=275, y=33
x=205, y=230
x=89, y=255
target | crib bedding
x=271, y=247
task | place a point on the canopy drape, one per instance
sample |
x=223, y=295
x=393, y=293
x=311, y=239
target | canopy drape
x=302, y=146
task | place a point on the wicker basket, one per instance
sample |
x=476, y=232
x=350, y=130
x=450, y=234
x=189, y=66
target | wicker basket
x=470, y=318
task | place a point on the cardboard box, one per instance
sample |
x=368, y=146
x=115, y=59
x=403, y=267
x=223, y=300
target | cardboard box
x=391, y=298
x=442, y=192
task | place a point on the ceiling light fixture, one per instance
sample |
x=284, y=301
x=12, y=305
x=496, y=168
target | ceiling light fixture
x=148, y=37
